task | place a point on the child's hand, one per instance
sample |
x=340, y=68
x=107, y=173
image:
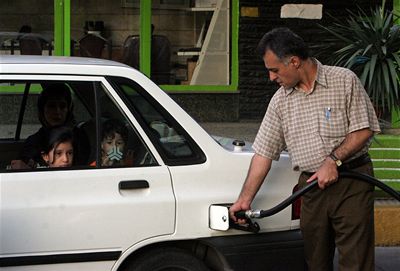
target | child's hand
x=105, y=161
x=19, y=164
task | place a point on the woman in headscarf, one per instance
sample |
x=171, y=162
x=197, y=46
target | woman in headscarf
x=55, y=110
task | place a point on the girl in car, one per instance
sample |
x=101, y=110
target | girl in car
x=59, y=150
x=54, y=110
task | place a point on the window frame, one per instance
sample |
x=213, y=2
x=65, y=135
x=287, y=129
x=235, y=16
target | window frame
x=108, y=90
x=62, y=34
x=101, y=87
x=199, y=156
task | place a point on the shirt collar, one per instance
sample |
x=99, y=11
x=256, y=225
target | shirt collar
x=321, y=78
x=321, y=74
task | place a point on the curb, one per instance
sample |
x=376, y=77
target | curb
x=387, y=222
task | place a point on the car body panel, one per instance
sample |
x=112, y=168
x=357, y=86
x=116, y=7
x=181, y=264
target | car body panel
x=109, y=218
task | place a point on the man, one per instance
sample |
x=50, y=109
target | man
x=322, y=116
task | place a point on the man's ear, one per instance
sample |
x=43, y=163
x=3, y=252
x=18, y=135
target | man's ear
x=295, y=61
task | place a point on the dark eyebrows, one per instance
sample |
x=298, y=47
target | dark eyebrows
x=273, y=69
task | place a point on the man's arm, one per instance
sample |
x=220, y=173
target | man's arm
x=328, y=173
x=258, y=170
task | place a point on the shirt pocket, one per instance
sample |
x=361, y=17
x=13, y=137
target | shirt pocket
x=332, y=122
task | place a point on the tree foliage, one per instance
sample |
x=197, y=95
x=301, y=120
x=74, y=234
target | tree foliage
x=370, y=46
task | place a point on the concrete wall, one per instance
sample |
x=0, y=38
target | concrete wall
x=15, y=13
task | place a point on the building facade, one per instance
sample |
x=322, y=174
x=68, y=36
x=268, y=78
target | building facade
x=201, y=52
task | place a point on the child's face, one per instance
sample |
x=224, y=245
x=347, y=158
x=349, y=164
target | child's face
x=110, y=144
x=61, y=156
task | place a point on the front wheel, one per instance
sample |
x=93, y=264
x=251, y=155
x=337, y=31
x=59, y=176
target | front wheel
x=167, y=259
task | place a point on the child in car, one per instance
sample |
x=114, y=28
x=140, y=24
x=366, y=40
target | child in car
x=59, y=150
x=113, y=144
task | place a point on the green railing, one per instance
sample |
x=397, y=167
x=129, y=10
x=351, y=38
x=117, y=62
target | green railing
x=385, y=154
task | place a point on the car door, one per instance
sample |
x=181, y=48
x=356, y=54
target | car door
x=85, y=216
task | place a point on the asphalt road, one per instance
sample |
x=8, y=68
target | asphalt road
x=386, y=259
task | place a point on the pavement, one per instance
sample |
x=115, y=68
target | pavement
x=387, y=211
x=244, y=130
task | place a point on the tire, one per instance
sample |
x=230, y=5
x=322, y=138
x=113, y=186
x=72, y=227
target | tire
x=167, y=259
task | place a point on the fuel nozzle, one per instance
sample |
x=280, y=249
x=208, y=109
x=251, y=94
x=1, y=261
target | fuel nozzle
x=249, y=225
x=248, y=214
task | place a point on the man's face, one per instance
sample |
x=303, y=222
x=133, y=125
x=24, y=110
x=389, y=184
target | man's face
x=283, y=72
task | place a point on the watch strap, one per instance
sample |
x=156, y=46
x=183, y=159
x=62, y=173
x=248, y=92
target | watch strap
x=334, y=158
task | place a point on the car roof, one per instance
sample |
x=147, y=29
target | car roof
x=56, y=65
x=65, y=60
x=12, y=65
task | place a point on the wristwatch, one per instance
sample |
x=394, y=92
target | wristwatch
x=335, y=159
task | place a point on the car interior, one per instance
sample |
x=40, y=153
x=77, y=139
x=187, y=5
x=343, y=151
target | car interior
x=24, y=121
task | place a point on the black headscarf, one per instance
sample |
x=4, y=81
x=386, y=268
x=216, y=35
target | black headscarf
x=56, y=90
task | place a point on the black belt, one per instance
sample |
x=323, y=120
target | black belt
x=355, y=163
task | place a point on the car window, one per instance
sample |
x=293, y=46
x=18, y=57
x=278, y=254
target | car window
x=119, y=143
x=27, y=130
x=34, y=118
x=11, y=95
x=173, y=142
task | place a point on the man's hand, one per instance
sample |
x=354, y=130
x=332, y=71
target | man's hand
x=239, y=205
x=327, y=174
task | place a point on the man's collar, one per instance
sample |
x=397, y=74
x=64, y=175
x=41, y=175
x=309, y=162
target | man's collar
x=321, y=76
x=288, y=91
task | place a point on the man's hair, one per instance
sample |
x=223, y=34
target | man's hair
x=283, y=43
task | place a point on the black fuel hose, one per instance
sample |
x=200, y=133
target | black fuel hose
x=312, y=185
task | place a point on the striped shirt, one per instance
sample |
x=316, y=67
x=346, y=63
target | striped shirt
x=310, y=126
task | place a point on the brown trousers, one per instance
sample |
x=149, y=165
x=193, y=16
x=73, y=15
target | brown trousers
x=342, y=215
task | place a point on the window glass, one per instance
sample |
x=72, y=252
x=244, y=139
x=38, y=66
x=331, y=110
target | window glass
x=11, y=95
x=56, y=128
x=194, y=47
x=120, y=145
x=105, y=30
x=40, y=119
x=173, y=142
x=26, y=30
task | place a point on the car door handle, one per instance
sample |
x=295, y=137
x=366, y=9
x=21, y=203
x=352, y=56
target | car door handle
x=135, y=184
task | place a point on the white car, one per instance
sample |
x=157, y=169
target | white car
x=151, y=212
